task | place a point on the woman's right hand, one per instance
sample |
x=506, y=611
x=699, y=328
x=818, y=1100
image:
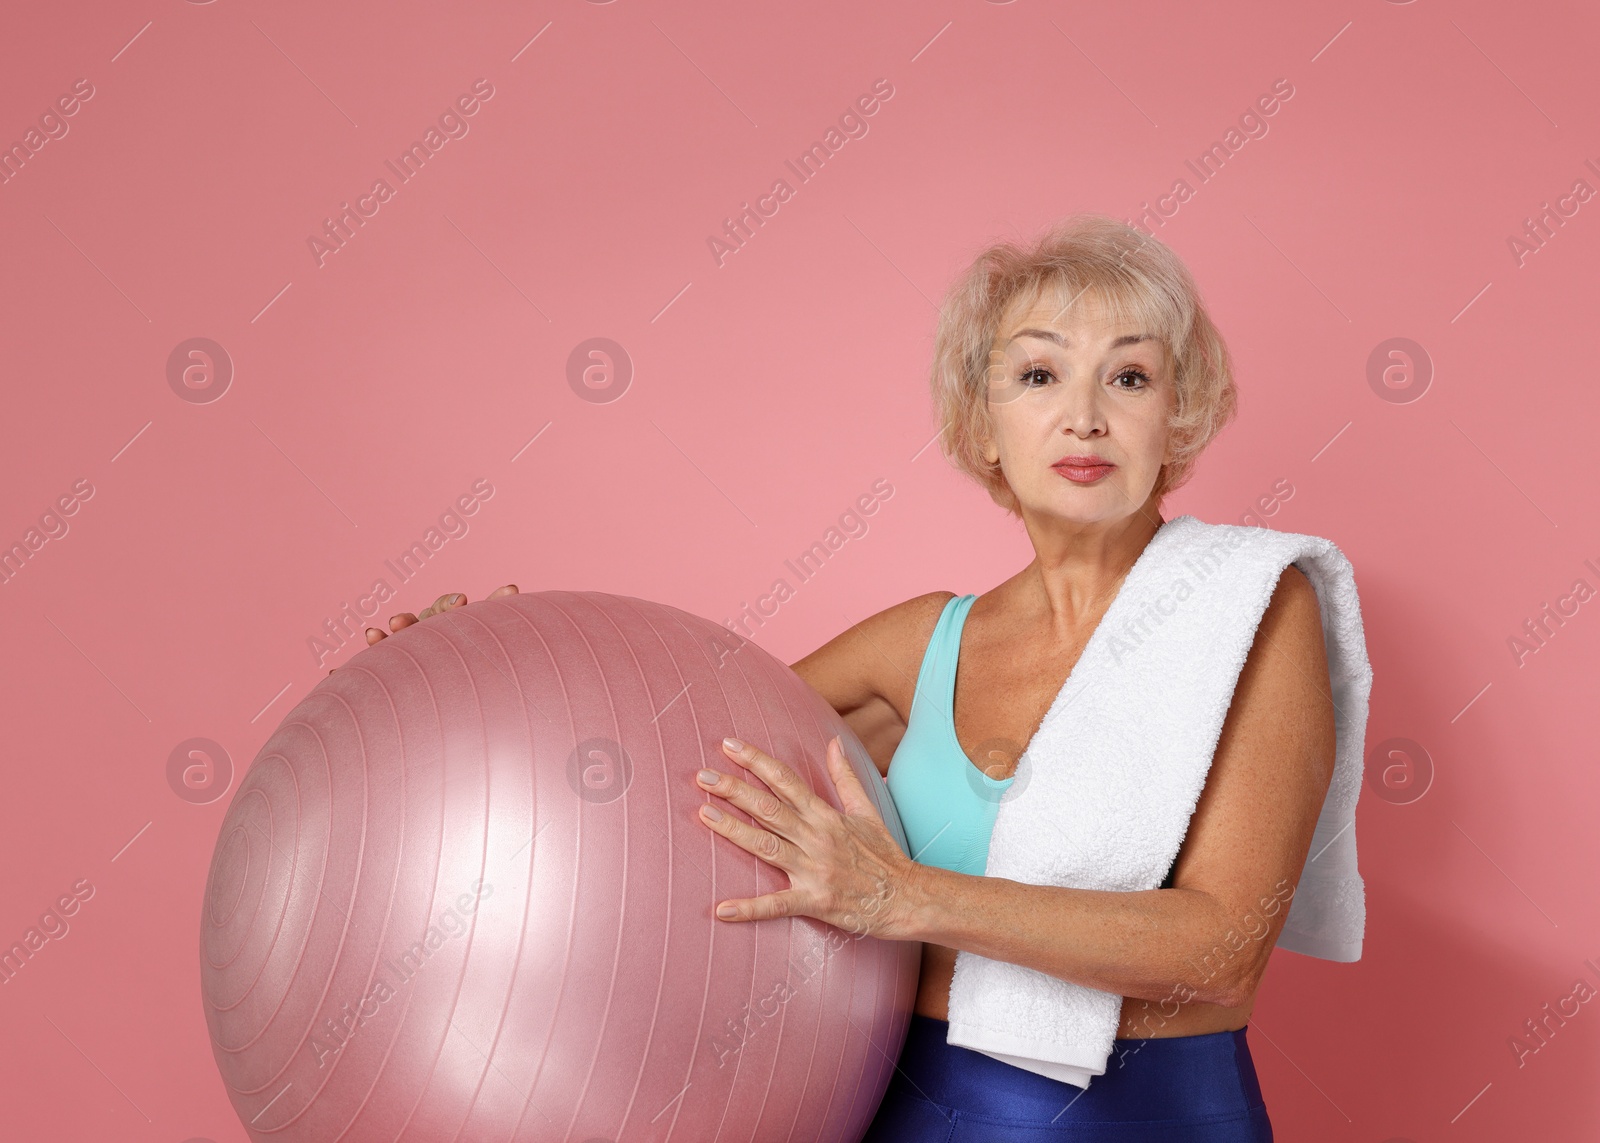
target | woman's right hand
x=444, y=603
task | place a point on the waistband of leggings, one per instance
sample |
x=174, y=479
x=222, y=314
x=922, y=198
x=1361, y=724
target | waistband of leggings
x=1206, y=1074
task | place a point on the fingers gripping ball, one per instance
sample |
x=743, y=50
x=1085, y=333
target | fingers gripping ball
x=462, y=893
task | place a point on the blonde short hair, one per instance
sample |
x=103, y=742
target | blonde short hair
x=1137, y=279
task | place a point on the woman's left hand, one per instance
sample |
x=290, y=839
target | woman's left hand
x=844, y=868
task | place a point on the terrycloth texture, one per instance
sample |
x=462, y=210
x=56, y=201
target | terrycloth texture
x=1104, y=792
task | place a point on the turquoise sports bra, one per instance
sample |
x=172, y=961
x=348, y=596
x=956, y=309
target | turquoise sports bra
x=946, y=804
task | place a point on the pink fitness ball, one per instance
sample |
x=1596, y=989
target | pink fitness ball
x=463, y=894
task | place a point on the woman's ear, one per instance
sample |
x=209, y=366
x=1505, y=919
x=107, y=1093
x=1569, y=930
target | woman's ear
x=986, y=446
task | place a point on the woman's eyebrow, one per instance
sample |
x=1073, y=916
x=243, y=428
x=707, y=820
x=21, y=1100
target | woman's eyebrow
x=1051, y=335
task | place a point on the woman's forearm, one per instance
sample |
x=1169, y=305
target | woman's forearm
x=1156, y=945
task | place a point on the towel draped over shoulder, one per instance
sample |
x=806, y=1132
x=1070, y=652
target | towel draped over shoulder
x=1105, y=789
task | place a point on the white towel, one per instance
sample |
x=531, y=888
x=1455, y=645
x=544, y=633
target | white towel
x=1104, y=791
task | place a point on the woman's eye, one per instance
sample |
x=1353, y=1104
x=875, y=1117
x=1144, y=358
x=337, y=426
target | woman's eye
x=1032, y=372
x=1139, y=375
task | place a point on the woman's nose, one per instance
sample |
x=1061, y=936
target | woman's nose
x=1080, y=411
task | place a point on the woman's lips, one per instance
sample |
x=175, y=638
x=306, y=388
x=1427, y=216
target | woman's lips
x=1083, y=473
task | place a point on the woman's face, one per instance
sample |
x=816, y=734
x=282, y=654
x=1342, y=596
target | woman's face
x=1079, y=408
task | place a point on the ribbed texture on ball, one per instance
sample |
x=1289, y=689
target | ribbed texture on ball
x=463, y=893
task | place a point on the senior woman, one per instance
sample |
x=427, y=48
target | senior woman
x=1077, y=381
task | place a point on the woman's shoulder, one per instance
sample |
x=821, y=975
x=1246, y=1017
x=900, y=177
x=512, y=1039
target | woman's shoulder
x=877, y=657
x=1192, y=531
x=904, y=629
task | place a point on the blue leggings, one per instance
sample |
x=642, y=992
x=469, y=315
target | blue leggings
x=1193, y=1089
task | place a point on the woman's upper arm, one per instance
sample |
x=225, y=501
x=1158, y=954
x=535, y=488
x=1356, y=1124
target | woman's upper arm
x=1251, y=832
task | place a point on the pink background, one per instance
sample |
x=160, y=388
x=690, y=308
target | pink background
x=211, y=539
